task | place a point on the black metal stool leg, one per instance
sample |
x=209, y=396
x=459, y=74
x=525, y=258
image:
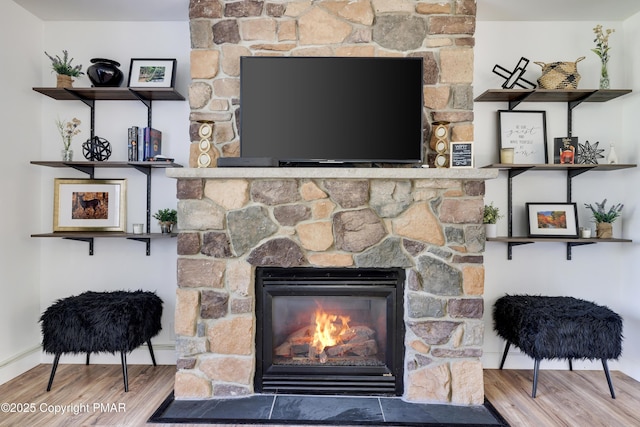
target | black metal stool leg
x=504, y=355
x=606, y=372
x=123, y=359
x=536, y=368
x=88, y=358
x=53, y=371
x=153, y=357
x=571, y=364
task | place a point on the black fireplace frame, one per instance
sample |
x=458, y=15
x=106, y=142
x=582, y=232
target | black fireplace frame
x=364, y=380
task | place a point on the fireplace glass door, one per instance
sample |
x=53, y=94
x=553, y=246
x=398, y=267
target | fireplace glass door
x=329, y=331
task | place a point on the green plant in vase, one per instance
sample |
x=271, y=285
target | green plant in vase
x=602, y=50
x=166, y=218
x=490, y=218
x=64, y=69
x=604, y=218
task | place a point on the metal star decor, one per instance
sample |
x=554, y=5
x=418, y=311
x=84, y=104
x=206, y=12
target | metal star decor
x=589, y=154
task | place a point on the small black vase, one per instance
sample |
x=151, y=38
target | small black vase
x=105, y=73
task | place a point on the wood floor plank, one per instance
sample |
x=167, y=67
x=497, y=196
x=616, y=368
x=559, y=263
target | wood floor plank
x=95, y=393
x=564, y=398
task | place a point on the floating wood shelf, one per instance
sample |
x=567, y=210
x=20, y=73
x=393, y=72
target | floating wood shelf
x=575, y=242
x=573, y=98
x=110, y=94
x=89, y=168
x=89, y=96
x=577, y=96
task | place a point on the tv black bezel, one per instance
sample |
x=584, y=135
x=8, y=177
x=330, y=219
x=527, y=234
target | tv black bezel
x=337, y=161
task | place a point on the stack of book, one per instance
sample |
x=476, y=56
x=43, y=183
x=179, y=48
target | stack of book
x=143, y=143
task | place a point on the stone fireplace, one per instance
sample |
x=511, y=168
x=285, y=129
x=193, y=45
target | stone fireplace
x=427, y=222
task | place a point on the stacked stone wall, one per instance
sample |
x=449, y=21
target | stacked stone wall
x=431, y=227
x=223, y=31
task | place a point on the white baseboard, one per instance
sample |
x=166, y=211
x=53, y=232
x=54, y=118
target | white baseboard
x=630, y=366
x=19, y=363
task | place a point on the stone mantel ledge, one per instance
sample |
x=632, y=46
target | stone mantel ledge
x=329, y=173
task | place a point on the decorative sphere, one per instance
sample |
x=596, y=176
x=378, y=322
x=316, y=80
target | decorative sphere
x=96, y=149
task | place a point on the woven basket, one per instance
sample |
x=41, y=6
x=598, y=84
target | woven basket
x=64, y=81
x=559, y=75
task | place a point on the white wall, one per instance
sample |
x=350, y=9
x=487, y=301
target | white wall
x=629, y=296
x=20, y=191
x=117, y=264
x=32, y=282
x=597, y=272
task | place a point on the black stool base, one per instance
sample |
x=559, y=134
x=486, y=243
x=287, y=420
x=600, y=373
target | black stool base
x=123, y=361
x=536, y=369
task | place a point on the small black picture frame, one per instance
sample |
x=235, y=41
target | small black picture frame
x=461, y=154
x=152, y=72
x=565, y=150
x=558, y=220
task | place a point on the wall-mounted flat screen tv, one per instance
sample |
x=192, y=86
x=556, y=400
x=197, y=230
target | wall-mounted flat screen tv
x=331, y=109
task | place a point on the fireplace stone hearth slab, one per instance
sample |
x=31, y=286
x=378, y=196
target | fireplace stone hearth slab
x=323, y=410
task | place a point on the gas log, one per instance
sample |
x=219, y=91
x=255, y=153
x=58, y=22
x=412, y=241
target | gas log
x=355, y=341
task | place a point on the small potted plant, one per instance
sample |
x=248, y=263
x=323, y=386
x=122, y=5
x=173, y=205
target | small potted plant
x=64, y=69
x=166, y=218
x=490, y=218
x=603, y=218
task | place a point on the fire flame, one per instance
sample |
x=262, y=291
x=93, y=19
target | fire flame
x=328, y=329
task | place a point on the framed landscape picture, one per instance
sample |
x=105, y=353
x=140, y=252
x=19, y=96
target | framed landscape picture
x=147, y=73
x=552, y=219
x=526, y=133
x=89, y=205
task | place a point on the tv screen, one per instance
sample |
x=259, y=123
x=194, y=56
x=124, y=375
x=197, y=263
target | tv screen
x=331, y=109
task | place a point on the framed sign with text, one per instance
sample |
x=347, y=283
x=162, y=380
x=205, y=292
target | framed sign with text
x=461, y=154
x=526, y=133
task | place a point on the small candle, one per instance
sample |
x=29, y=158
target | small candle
x=506, y=155
x=138, y=228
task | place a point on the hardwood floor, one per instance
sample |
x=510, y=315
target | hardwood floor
x=96, y=392
x=564, y=398
x=578, y=398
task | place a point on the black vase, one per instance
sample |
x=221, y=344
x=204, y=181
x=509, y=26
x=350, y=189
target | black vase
x=105, y=73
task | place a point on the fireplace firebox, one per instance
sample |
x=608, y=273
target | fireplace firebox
x=329, y=330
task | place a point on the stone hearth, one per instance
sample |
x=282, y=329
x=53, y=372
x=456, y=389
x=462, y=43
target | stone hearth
x=427, y=221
